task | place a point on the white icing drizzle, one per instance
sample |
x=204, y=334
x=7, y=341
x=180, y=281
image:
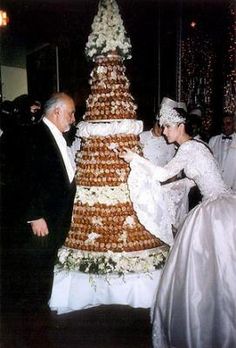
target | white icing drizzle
x=88, y=129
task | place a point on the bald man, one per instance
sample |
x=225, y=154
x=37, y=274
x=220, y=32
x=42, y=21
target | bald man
x=48, y=190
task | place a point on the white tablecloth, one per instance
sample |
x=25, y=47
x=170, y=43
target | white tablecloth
x=75, y=290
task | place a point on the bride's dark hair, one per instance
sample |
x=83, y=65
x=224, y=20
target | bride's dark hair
x=190, y=121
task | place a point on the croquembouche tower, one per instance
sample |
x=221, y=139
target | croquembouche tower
x=106, y=237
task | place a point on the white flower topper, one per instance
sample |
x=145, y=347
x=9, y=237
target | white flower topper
x=108, y=32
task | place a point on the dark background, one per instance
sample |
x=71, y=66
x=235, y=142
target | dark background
x=152, y=25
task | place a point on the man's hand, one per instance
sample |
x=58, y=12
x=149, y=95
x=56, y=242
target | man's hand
x=39, y=227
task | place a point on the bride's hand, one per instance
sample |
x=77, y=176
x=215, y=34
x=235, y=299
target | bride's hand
x=127, y=155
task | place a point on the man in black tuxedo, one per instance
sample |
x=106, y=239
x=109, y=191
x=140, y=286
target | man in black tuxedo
x=48, y=190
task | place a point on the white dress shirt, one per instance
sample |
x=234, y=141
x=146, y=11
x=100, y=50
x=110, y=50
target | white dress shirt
x=64, y=149
x=224, y=150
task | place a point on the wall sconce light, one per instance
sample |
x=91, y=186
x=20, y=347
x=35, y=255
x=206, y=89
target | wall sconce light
x=4, y=19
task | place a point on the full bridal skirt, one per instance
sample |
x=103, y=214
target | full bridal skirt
x=196, y=299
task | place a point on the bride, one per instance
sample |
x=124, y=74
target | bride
x=196, y=298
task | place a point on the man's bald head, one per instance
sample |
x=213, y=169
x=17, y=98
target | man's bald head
x=60, y=110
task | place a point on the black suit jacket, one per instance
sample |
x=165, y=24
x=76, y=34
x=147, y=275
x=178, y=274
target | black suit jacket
x=50, y=193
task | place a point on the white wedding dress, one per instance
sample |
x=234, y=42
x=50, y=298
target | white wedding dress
x=196, y=299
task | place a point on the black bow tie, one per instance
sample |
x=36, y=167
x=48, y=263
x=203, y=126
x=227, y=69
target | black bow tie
x=224, y=137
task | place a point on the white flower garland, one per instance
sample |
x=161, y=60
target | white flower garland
x=112, y=263
x=109, y=195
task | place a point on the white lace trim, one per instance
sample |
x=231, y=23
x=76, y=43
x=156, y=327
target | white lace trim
x=169, y=116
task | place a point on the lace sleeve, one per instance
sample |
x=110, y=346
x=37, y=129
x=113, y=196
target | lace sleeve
x=162, y=173
x=173, y=167
x=157, y=206
x=149, y=201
